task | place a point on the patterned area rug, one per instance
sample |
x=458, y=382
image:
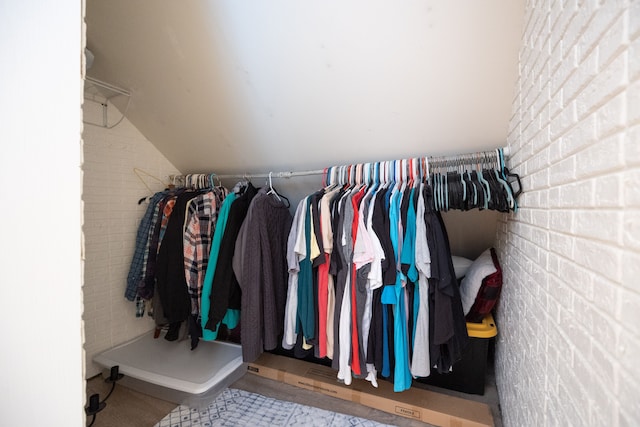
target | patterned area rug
x=241, y=408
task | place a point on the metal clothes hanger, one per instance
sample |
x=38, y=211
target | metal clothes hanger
x=437, y=182
x=510, y=178
x=212, y=183
x=483, y=182
x=271, y=190
x=139, y=173
x=462, y=182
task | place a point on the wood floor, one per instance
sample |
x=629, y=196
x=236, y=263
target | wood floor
x=126, y=407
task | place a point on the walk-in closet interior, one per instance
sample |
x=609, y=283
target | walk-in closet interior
x=298, y=99
x=322, y=181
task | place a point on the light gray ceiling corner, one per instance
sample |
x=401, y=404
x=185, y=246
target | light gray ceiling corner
x=230, y=86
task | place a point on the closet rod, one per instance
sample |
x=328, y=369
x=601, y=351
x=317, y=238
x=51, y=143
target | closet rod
x=284, y=174
x=290, y=174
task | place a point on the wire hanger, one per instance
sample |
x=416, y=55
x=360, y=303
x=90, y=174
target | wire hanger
x=271, y=190
x=139, y=173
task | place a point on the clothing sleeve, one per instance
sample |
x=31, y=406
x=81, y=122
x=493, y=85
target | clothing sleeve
x=363, y=247
x=301, y=244
x=423, y=256
x=207, y=334
x=325, y=222
x=408, y=249
x=375, y=274
x=192, y=254
x=241, y=241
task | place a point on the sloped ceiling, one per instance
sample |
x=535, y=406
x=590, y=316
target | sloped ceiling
x=248, y=86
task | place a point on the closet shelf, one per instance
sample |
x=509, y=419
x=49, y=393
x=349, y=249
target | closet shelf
x=103, y=93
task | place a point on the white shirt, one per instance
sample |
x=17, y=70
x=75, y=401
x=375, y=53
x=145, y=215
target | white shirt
x=420, y=363
x=293, y=263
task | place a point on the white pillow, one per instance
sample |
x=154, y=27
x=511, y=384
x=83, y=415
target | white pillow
x=482, y=267
x=461, y=265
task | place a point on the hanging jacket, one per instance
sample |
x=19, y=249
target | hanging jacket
x=264, y=278
x=170, y=275
x=225, y=292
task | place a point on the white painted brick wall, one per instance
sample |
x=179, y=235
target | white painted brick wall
x=569, y=318
x=111, y=191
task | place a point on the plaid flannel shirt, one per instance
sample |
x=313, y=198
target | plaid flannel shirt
x=160, y=220
x=198, y=234
x=136, y=270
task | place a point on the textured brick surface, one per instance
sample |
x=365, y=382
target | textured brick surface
x=111, y=191
x=567, y=351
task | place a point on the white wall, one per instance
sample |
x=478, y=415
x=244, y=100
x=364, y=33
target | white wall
x=569, y=341
x=111, y=191
x=41, y=362
x=283, y=84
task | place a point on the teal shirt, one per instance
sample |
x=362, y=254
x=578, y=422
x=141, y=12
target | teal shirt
x=409, y=242
x=402, y=373
x=306, y=322
x=409, y=257
x=232, y=316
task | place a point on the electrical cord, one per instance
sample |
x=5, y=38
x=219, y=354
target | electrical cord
x=95, y=405
x=113, y=386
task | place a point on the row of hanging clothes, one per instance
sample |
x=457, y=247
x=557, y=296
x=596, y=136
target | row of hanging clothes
x=371, y=281
x=208, y=259
x=361, y=275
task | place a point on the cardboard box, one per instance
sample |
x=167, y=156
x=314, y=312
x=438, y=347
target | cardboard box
x=415, y=403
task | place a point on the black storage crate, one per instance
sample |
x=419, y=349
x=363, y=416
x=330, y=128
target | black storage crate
x=468, y=374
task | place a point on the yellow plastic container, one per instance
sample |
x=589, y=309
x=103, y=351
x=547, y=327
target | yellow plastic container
x=486, y=329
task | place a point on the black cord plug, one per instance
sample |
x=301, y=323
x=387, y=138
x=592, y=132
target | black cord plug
x=95, y=405
x=114, y=374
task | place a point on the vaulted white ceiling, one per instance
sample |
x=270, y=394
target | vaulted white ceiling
x=248, y=86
